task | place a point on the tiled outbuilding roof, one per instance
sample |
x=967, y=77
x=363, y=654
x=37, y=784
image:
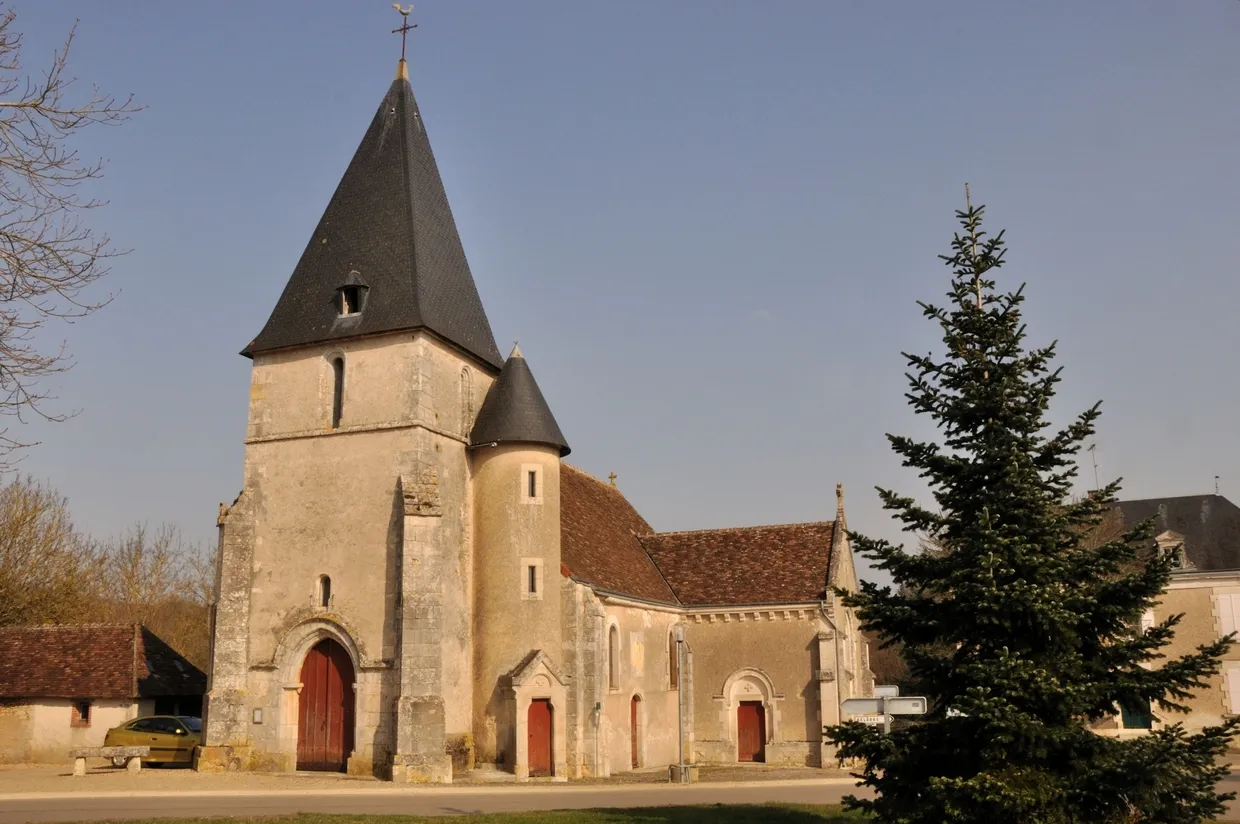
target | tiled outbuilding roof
x=598, y=539
x=1210, y=525
x=95, y=661
x=746, y=565
x=605, y=543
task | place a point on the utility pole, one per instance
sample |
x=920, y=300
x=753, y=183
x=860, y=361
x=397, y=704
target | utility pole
x=680, y=698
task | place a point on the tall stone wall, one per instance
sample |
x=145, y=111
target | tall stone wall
x=768, y=655
x=642, y=680
x=332, y=503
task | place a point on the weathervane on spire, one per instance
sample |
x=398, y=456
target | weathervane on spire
x=405, y=26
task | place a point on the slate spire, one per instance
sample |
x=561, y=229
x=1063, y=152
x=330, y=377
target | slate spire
x=388, y=236
x=515, y=410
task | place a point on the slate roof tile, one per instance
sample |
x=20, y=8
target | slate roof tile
x=1210, y=525
x=388, y=226
x=515, y=410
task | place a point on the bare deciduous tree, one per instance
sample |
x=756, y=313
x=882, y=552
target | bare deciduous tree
x=143, y=572
x=158, y=579
x=48, y=257
x=49, y=572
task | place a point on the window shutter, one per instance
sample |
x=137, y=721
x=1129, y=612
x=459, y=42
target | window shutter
x=1228, y=607
x=1231, y=683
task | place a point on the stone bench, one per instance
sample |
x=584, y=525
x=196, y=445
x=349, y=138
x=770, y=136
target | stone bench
x=133, y=756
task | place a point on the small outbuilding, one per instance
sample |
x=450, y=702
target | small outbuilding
x=63, y=687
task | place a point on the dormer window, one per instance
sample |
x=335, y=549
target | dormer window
x=350, y=300
x=1171, y=544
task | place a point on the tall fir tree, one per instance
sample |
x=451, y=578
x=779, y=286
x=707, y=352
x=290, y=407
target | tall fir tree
x=1021, y=632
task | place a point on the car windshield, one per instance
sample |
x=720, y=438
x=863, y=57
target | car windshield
x=191, y=724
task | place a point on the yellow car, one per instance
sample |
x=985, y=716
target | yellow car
x=172, y=738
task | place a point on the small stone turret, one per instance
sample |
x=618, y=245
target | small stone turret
x=516, y=447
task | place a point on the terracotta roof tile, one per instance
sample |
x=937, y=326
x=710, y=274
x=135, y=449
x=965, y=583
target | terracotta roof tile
x=748, y=565
x=598, y=538
x=92, y=661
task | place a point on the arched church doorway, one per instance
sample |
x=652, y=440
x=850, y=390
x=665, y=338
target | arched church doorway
x=538, y=731
x=325, y=708
x=750, y=731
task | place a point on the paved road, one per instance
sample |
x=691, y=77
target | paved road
x=422, y=801
x=447, y=801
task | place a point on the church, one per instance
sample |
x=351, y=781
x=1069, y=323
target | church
x=413, y=582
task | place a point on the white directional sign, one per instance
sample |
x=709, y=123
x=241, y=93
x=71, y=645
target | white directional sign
x=886, y=690
x=862, y=706
x=883, y=708
x=908, y=705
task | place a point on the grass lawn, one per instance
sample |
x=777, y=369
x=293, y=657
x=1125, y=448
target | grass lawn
x=705, y=814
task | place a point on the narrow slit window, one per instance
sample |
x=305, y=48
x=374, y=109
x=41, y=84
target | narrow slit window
x=532, y=579
x=532, y=483
x=325, y=591
x=337, y=391
x=613, y=658
x=673, y=660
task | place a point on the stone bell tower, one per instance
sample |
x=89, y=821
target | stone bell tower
x=342, y=631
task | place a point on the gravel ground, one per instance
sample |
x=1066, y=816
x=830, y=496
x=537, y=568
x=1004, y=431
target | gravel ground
x=101, y=778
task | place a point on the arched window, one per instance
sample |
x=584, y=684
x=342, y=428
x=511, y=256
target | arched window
x=613, y=658
x=325, y=591
x=337, y=390
x=673, y=660
x=467, y=400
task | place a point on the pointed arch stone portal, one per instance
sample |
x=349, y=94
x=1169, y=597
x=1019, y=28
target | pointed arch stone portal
x=321, y=649
x=325, y=708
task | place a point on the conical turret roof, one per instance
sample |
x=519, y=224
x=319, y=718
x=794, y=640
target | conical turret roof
x=388, y=233
x=515, y=410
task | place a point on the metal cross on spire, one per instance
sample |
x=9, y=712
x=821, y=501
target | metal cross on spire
x=405, y=26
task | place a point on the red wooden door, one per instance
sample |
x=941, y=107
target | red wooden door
x=538, y=736
x=633, y=727
x=750, y=731
x=325, y=709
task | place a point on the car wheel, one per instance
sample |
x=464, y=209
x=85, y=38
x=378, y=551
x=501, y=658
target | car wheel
x=118, y=761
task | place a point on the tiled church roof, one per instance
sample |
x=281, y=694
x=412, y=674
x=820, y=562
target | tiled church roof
x=598, y=539
x=748, y=565
x=388, y=228
x=605, y=543
x=95, y=661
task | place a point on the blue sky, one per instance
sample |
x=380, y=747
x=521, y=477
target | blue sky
x=707, y=223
